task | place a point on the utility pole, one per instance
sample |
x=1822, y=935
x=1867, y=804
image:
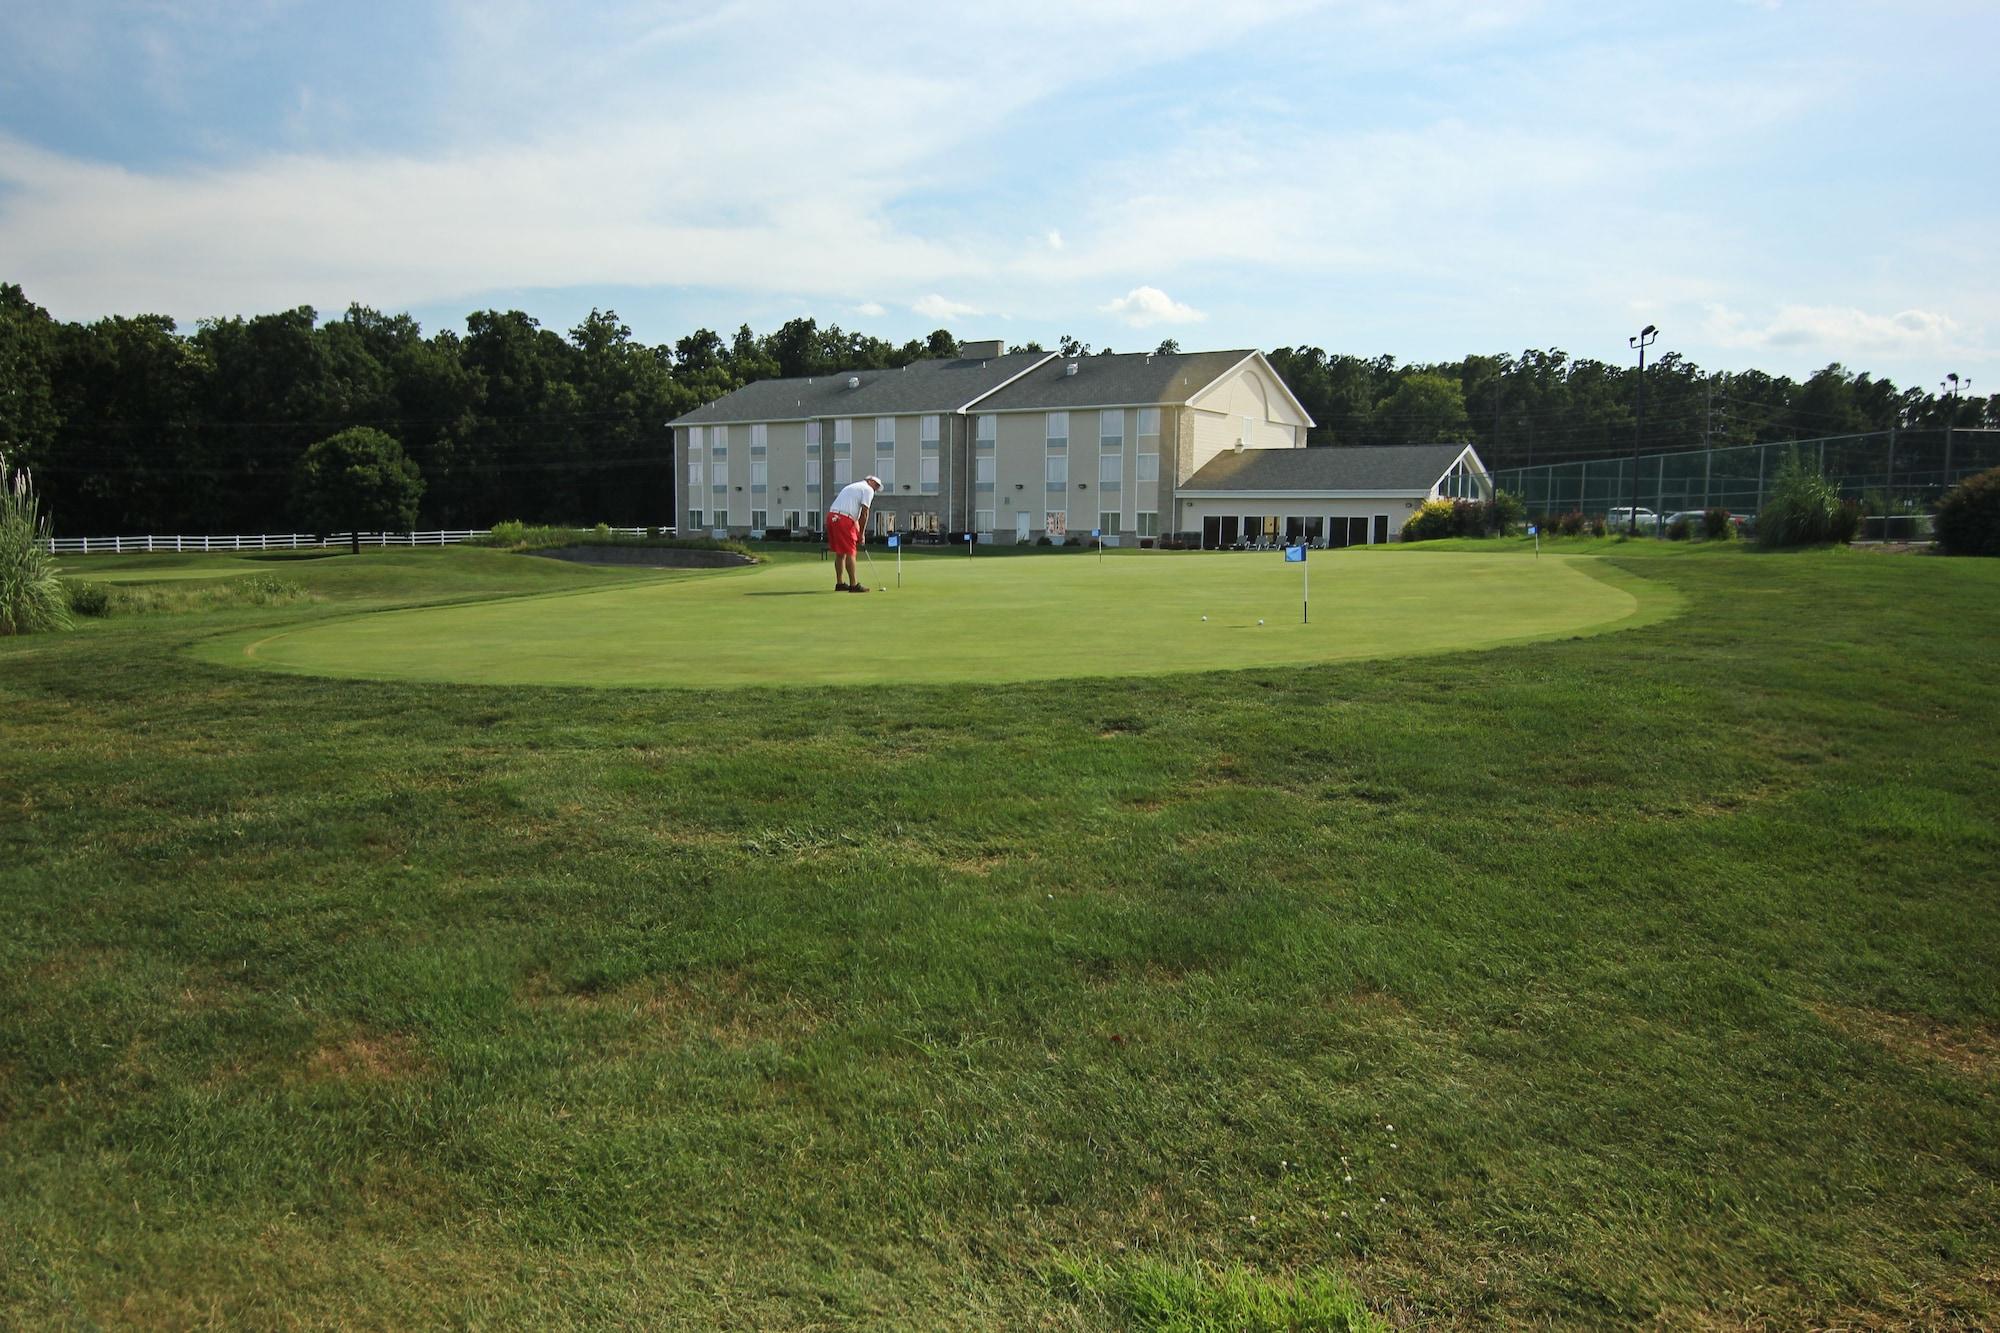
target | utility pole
x=1645, y=338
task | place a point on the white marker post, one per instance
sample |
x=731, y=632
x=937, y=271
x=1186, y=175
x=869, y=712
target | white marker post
x=1097, y=535
x=1536, y=532
x=1297, y=555
x=896, y=544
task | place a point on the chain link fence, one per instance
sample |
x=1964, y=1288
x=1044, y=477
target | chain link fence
x=1888, y=472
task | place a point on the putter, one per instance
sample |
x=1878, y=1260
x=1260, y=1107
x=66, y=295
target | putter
x=871, y=561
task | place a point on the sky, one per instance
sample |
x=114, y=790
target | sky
x=1773, y=185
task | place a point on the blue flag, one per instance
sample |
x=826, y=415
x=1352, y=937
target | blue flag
x=1295, y=555
x=894, y=540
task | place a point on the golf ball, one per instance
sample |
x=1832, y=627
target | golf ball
x=1260, y=622
x=1204, y=620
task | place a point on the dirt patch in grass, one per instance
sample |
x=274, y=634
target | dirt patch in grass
x=1969, y=1050
x=365, y=1057
x=718, y=1006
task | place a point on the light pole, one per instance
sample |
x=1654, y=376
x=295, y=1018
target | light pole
x=1645, y=338
x=1951, y=384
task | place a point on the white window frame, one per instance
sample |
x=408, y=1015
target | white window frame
x=982, y=520
x=1111, y=441
x=1148, y=524
x=885, y=432
x=1149, y=467
x=1148, y=424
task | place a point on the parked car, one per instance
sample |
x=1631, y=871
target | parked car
x=1620, y=520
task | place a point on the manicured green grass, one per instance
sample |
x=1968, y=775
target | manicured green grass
x=959, y=618
x=1643, y=977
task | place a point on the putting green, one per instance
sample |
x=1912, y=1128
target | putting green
x=966, y=619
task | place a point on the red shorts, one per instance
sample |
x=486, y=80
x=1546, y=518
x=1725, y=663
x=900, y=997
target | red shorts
x=843, y=534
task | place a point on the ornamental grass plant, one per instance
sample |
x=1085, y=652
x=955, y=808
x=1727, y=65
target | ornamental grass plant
x=31, y=596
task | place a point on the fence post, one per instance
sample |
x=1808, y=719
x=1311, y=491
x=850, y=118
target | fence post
x=1760, y=476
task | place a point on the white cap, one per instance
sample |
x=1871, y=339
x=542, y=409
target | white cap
x=873, y=480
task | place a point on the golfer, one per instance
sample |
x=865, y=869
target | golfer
x=845, y=522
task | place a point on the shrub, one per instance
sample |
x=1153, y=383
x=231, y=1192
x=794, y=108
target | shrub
x=1679, y=530
x=1570, y=524
x=1435, y=519
x=31, y=595
x=1715, y=525
x=1596, y=526
x=1468, y=518
x=1968, y=518
x=88, y=599
x=1508, y=512
x=510, y=532
x=1846, y=521
x=1804, y=508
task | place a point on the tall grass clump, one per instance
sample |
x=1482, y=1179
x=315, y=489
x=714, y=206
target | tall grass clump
x=1968, y=518
x=31, y=595
x=1804, y=509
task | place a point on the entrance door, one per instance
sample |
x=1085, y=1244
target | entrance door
x=1229, y=531
x=1211, y=533
x=1021, y=526
x=1381, y=528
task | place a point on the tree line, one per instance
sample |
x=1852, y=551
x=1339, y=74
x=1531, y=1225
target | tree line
x=1545, y=407
x=133, y=425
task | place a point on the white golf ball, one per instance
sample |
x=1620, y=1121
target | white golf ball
x=1204, y=620
x=1260, y=622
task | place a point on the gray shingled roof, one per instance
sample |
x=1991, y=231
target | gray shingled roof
x=1134, y=379
x=1385, y=467
x=943, y=385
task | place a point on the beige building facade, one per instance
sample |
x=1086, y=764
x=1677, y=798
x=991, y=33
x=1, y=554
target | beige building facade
x=1009, y=447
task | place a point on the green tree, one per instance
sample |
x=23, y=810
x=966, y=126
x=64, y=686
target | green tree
x=356, y=479
x=1424, y=409
x=28, y=416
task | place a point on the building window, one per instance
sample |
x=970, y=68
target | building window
x=1149, y=423
x=885, y=464
x=929, y=439
x=1149, y=523
x=1149, y=467
x=1110, y=430
x=929, y=480
x=760, y=437
x=697, y=476
x=694, y=518
x=760, y=473
x=1111, y=469
x=982, y=520
x=1056, y=523
x=1107, y=523
x=1058, y=430
x=986, y=430
x=983, y=476
x=843, y=452
x=1058, y=471
x=756, y=520
x=721, y=519
x=1058, y=451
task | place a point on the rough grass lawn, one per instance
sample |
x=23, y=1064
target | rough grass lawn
x=959, y=618
x=1645, y=977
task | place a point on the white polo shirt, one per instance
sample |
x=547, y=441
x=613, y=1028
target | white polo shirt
x=853, y=498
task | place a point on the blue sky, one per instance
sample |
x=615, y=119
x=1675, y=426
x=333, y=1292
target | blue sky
x=1774, y=185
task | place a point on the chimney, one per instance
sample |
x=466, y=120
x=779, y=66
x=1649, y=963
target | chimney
x=982, y=351
x=853, y=381
x=1069, y=369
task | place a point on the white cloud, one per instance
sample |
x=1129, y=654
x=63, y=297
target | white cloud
x=937, y=307
x=1843, y=329
x=872, y=309
x=1054, y=238
x=1143, y=306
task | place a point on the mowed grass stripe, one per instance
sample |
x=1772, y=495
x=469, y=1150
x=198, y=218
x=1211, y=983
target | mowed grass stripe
x=967, y=619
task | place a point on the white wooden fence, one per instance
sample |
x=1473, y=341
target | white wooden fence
x=281, y=541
